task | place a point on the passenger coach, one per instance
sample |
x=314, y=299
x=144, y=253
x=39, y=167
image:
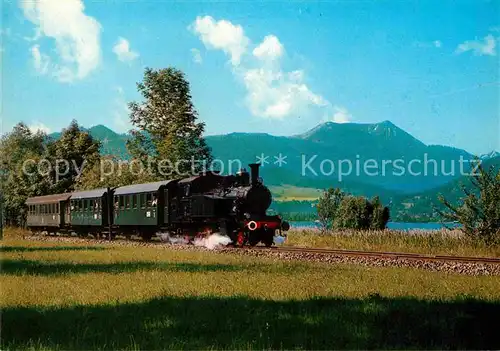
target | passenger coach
x=49, y=213
x=143, y=208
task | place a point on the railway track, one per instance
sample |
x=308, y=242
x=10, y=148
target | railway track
x=325, y=251
x=382, y=254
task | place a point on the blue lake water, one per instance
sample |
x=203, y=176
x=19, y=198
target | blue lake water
x=390, y=225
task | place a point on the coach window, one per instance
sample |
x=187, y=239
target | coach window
x=134, y=201
x=148, y=200
x=142, y=200
x=155, y=200
x=57, y=208
x=121, y=202
x=127, y=202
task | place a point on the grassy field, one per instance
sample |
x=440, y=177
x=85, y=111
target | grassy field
x=85, y=296
x=442, y=242
x=291, y=192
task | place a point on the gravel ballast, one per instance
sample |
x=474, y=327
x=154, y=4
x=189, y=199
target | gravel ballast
x=467, y=268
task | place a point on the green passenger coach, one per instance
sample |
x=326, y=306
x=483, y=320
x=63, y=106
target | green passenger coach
x=142, y=205
x=89, y=209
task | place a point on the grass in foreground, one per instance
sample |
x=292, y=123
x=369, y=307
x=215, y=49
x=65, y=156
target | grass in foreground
x=436, y=242
x=84, y=296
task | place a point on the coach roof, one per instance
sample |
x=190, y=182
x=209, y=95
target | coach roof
x=141, y=188
x=88, y=194
x=47, y=199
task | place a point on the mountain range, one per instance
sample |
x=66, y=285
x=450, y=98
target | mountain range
x=385, y=160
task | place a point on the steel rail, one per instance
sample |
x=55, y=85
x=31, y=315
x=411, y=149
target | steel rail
x=338, y=252
x=384, y=254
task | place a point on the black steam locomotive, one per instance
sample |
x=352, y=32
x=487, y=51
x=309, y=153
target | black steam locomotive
x=233, y=205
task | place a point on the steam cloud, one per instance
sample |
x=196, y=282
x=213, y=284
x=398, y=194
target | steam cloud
x=213, y=241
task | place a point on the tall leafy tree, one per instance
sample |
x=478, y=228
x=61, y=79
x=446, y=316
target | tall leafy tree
x=167, y=126
x=479, y=210
x=70, y=155
x=20, y=177
x=327, y=207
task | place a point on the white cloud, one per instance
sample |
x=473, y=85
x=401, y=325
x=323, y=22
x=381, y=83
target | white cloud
x=486, y=46
x=222, y=35
x=272, y=92
x=39, y=127
x=341, y=115
x=123, y=52
x=275, y=94
x=196, y=56
x=269, y=49
x=76, y=35
x=41, y=62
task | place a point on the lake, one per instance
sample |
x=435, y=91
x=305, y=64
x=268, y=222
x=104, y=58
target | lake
x=390, y=225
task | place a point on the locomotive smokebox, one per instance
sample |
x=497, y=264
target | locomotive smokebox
x=254, y=173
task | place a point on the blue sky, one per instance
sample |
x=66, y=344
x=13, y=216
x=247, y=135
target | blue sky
x=430, y=67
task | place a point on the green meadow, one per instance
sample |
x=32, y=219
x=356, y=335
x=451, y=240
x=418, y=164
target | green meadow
x=86, y=296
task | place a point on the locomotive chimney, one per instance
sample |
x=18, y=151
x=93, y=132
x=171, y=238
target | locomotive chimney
x=254, y=173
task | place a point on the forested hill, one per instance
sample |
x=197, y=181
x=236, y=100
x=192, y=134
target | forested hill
x=331, y=142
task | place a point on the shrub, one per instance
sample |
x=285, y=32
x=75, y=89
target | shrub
x=340, y=211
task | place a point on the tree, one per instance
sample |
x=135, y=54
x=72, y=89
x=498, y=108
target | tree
x=340, y=211
x=69, y=156
x=353, y=213
x=31, y=164
x=479, y=212
x=166, y=122
x=327, y=207
x=380, y=214
x=20, y=177
x=112, y=172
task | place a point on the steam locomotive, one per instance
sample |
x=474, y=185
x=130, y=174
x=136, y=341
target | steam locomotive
x=233, y=205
